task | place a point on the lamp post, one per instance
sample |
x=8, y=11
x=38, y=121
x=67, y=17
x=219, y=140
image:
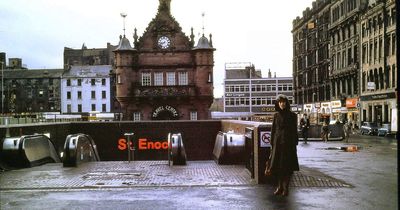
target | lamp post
x=2, y=88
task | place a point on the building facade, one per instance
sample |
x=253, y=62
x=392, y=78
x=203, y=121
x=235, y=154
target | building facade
x=378, y=63
x=85, y=56
x=250, y=95
x=311, y=66
x=362, y=60
x=164, y=76
x=345, y=37
x=31, y=91
x=85, y=89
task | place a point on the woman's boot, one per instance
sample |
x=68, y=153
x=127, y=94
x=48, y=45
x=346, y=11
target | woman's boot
x=279, y=189
x=285, y=184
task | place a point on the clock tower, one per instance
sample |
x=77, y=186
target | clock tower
x=164, y=76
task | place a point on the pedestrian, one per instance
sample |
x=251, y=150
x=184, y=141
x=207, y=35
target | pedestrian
x=346, y=131
x=325, y=132
x=304, y=126
x=284, y=139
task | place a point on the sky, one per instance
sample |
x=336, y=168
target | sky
x=255, y=31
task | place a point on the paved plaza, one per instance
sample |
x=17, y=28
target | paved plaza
x=329, y=178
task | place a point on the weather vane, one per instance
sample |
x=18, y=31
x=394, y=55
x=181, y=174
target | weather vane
x=202, y=15
x=123, y=15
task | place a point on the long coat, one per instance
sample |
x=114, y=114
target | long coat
x=284, y=139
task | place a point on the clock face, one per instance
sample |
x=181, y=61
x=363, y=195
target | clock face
x=164, y=42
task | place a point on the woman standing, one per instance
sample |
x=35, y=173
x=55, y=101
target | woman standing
x=283, y=158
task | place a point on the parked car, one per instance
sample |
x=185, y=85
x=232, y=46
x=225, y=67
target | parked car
x=384, y=130
x=370, y=128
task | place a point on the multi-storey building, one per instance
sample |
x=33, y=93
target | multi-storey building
x=85, y=89
x=85, y=56
x=378, y=62
x=164, y=76
x=344, y=31
x=31, y=91
x=311, y=60
x=250, y=95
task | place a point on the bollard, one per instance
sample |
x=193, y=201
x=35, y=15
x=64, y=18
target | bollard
x=128, y=136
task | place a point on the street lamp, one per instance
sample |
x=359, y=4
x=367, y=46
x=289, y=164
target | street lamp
x=2, y=88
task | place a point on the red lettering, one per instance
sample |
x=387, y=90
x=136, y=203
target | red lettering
x=157, y=145
x=165, y=145
x=150, y=145
x=122, y=144
x=142, y=143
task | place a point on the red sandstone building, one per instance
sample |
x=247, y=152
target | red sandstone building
x=164, y=76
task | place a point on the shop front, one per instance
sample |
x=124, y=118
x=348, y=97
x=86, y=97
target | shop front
x=378, y=108
x=352, y=105
x=336, y=108
x=325, y=111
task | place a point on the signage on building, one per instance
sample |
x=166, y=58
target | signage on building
x=308, y=108
x=268, y=109
x=378, y=96
x=325, y=107
x=234, y=95
x=371, y=86
x=160, y=109
x=351, y=102
x=336, y=104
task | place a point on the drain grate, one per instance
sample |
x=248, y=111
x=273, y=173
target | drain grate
x=308, y=177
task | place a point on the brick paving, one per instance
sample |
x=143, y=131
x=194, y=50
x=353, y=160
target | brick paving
x=146, y=173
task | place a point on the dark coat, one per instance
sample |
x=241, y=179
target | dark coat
x=284, y=140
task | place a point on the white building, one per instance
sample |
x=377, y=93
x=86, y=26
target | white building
x=85, y=89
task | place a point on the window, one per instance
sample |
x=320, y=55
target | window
x=183, y=78
x=170, y=78
x=41, y=93
x=79, y=82
x=103, y=107
x=103, y=82
x=93, y=94
x=158, y=79
x=119, y=81
x=79, y=94
x=51, y=93
x=51, y=81
x=193, y=115
x=103, y=94
x=136, y=116
x=68, y=108
x=209, y=77
x=93, y=107
x=68, y=95
x=146, y=79
x=79, y=107
x=393, y=44
x=93, y=82
x=68, y=82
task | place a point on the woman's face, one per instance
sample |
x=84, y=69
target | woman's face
x=282, y=104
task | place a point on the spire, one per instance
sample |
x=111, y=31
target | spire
x=135, y=37
x=191, y=37
x=165, y=5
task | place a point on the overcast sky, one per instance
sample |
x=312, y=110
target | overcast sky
x=256, y=31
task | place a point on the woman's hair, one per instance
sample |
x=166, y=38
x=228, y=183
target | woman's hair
x=282, y=97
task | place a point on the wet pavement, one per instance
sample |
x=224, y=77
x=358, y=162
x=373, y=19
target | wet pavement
x=329, y=178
